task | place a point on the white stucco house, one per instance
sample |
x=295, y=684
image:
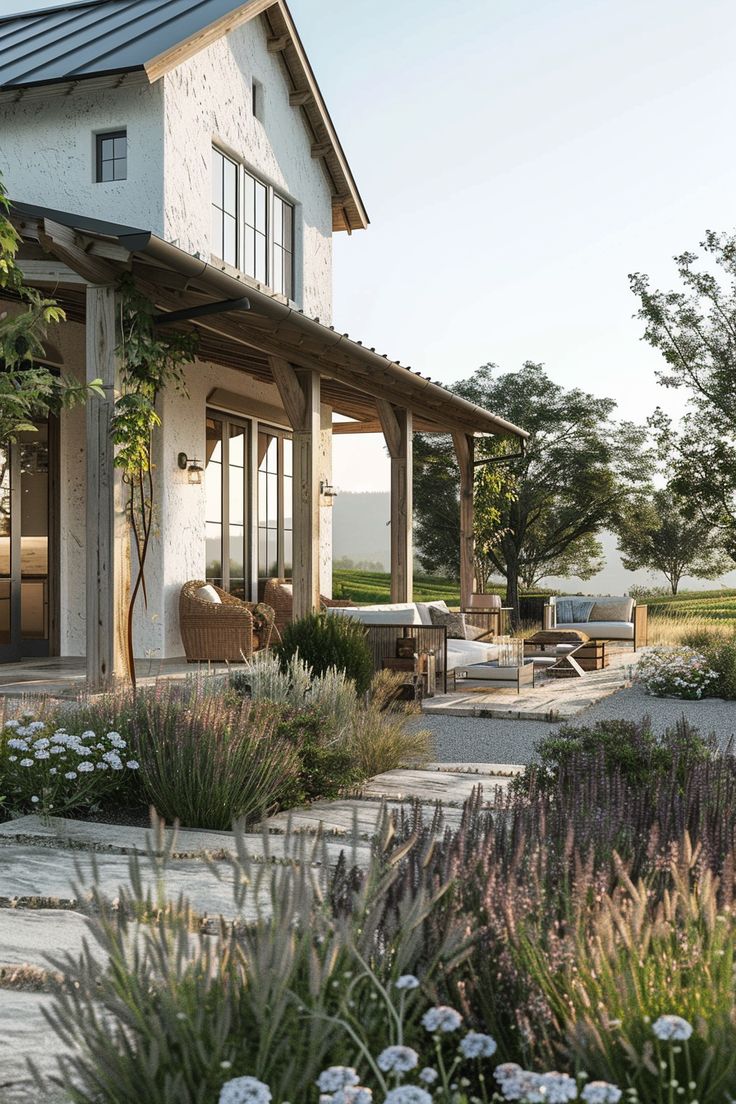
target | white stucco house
x=186, y=143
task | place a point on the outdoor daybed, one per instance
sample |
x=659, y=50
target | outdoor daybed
x=609, y=618
x=386, y=623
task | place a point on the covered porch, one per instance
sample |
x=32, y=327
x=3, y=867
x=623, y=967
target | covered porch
x=312, y=380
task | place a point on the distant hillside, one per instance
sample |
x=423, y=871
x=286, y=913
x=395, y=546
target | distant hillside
x=360, y=528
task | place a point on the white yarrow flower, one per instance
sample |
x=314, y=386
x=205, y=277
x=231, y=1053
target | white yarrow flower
x=35, y=800
x=245, y=1090
x=601, y=1092
x=71, y=775
x=85, y=767
x=334, y=1078
x=26, y=762
x=133, y=764
x=672, y=1029
x=408, y=1094
x=477, y=1045
x=407, y=981
x=558, y=1088
x=443, y=1018
x=398, y=1059
x=428, y=1075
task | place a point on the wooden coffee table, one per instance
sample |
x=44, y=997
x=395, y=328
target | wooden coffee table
x=591, y=655
x=498, y=678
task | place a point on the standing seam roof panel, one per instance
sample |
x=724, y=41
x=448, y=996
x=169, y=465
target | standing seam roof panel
x=92, y=39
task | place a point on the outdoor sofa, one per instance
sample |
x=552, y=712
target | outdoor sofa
x=385, y=623
x=604, y=618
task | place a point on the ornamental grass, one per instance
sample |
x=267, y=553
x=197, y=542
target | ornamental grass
x=568, y=922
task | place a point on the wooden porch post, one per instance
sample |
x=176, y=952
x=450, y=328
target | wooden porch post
x=397, y=430
x=300, y=394
x=465, y=451
x=107, y=539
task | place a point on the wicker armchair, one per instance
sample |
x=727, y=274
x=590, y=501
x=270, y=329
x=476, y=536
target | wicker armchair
x=229, y=630
x=279, y=596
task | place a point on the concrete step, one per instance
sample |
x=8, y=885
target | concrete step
x=430, y=786
x=25, y=1034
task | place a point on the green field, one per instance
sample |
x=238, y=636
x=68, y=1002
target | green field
x=373, y=587
x=711, y=605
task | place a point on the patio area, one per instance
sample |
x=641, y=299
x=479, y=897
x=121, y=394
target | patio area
x=66, y=676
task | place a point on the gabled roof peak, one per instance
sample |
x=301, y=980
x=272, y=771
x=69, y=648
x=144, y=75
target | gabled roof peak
x=100, y=43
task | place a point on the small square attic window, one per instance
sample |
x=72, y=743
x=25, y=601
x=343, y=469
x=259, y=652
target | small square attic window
x=112, y=156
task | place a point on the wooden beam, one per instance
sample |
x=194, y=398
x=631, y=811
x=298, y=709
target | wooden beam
x=290, y=389
x=300, y=97
x=321, y=149
x=277, y=43
x=107, y=536
x=306, y=512
x=63, y=243
x=49, y=272
x=465, y=452
x=169, y=59
x=357, y=427
x=397, y=429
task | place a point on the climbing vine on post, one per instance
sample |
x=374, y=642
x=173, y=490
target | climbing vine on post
x=151, y=360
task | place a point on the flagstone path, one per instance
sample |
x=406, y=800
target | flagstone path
x=46, y=871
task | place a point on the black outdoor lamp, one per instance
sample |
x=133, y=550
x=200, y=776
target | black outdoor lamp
x=192, y=467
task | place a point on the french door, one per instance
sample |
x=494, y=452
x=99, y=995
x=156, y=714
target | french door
x=27, y=575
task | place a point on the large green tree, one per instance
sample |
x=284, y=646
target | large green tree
x=28, y=390
x=694, y=328
x=540, y=513
x=663, y=533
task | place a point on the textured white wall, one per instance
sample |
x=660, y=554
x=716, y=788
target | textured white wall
x=47, y=153
x=208, y=99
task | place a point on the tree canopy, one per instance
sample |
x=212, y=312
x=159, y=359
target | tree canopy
x=538, y=515
x=694, y=328
x=663, y=533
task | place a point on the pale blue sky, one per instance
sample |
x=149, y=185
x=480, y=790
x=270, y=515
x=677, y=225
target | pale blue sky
x=518, y=158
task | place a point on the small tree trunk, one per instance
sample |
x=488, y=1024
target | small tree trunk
x=512, y=593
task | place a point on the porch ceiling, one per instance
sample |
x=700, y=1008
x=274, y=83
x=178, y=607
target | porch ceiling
x=67, y=251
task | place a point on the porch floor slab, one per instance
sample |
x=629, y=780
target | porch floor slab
x=65, y=676
x=551, y=700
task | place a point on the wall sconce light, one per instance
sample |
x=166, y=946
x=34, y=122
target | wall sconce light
x=193, y=468
x=327, y=490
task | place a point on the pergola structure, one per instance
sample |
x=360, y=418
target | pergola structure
x=239, y=325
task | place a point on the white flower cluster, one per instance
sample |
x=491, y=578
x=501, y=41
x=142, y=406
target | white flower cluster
x=56, y=760
x=398, y=1059
x=550, y=1088
x=441, y=1019
x=672, y=1029
x=245, y=1090
x=677, y=672
x=339, y=1085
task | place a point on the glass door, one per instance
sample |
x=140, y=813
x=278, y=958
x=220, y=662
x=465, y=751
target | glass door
x=25, y=607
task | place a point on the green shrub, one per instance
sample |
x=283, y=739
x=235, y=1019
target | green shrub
x=721, y=655
x=324, y=641
x=627, y=748
x=328, y=765
x=208, y=764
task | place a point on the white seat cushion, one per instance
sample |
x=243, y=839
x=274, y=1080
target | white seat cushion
x=603, y=630
x=398, y=613
x=461, y=653
x=209, y=594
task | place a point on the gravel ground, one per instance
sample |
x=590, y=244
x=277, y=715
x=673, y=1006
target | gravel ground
x=489, y=740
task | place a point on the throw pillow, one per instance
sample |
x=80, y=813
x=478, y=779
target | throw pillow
x=475, y=632
x=573, y=611
x=612, y=609
x=453, y=622
x=209, y=594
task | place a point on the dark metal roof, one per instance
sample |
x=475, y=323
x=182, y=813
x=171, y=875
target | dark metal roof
x=77, y=41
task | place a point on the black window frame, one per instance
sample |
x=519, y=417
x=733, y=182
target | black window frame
x=110, y=136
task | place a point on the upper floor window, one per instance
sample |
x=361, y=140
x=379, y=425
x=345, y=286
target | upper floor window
x=224, y=207
x=112, y=156
x=259, y=239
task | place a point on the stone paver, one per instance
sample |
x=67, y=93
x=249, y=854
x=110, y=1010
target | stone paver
x=25, y=1034
x=29, y=936
x=190, y=842
x=449, y=787
x=550, y=700
x=340, y=818
x=47, y=876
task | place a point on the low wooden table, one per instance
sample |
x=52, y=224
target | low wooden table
x=498, y=678
x=590, y=654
